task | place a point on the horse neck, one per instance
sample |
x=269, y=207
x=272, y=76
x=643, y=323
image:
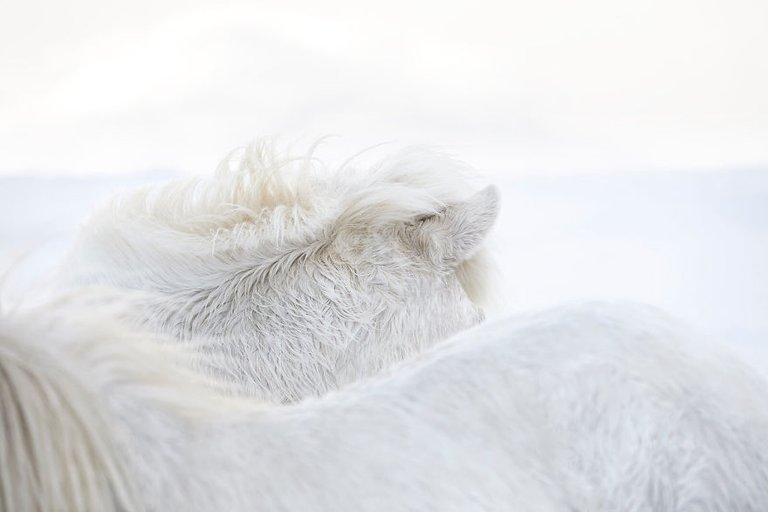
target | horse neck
x=177, y=462
x=273, y=347
x=280, y=344
x=302, y=457
x=232, y=457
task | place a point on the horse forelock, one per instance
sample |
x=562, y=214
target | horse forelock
x=267, y=204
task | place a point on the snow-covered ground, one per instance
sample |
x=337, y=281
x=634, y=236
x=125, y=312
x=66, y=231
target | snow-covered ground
x=695, y=244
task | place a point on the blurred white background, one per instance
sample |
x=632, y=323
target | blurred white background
x=630, y=139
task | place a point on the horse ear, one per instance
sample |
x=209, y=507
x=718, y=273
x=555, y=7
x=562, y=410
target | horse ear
x=455, y=233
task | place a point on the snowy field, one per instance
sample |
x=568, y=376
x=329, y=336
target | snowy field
x=695, y=244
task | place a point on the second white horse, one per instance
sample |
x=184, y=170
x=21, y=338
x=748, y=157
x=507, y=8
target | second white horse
x=301, y=279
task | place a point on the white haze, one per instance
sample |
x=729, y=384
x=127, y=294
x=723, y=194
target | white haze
x=630, y=139
x=522, y=87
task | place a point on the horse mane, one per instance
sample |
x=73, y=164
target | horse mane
x=60, y=446
x=270, y=204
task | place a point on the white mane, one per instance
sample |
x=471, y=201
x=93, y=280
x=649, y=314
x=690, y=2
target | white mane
x=275, y=207
x=62, y=365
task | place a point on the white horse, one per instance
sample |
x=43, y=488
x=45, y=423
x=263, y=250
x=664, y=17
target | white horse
x=304, y=279
x=591, y=408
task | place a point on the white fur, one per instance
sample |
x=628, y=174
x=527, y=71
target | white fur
x=57, y=443
x=304, y=278
x=583, y=408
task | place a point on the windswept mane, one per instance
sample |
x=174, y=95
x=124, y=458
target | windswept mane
x=268, y=204
x=61, y=365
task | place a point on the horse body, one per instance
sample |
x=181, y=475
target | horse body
x=302, y=279
x=581, y=408
x=592, y=407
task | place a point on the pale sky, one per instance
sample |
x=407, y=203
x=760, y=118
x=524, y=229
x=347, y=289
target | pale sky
x=545, y=86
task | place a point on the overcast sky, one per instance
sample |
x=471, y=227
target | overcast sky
x=545, y=86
